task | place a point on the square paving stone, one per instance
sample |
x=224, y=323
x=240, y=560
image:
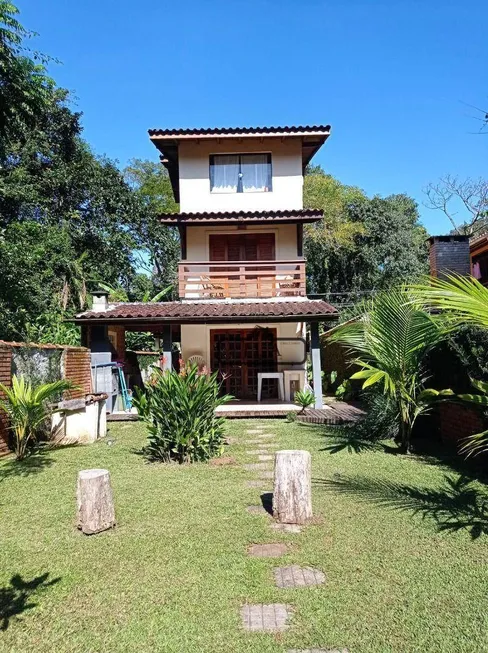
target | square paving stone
x=264, y=457
x=257, y=452
x=271, y=618
x=296, y=576
x=266, y=474
x=253, y=431
x=257, y=510
x=318, y=650
x=274, y=550
x=255, y=467
x=260, y=484
x=264, y=436
x=286, y=528
x=252, y=442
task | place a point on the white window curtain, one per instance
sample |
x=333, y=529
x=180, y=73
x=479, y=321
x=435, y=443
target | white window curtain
x=255, y=173
x=225, y=174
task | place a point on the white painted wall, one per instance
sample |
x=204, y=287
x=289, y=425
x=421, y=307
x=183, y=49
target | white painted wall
x=195, y=339
x=194, y=172
x=197, y=240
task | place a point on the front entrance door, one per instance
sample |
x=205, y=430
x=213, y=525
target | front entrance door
x=239, y=354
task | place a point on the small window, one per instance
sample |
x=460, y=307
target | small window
x=240, y=173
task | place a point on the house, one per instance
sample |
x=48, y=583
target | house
x=243, y=308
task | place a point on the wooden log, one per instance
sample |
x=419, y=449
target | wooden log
x=292, y=495
x=95, y=501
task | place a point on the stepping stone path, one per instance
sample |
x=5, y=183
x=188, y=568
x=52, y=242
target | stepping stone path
x=257, y=510
x=267, y=550
x=274, y=617
x=295, y=576
x=286, y=528
x=271, y=618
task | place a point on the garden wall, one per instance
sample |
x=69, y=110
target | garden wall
x=44, y=364
x=457, y=421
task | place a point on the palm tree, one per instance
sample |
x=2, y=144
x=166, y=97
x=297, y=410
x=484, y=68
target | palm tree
x=26, y=408
x=391, y=338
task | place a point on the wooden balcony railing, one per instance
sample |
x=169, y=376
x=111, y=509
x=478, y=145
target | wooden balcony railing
x=241, y=279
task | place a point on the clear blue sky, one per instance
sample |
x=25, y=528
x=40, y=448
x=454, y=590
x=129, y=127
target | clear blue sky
x=389, y=76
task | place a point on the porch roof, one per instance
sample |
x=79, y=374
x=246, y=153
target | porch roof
x=204, y=312
x=285, y=216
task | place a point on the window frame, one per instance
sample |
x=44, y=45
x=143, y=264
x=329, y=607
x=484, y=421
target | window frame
x=239, y=188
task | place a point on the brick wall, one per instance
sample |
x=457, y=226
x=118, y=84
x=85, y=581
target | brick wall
x=449, y=254
x=458, y=421
x=5, y=379
x=77, y=369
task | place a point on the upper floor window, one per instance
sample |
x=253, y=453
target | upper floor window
x=240, y=173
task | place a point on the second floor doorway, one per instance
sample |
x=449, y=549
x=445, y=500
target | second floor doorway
x=242, y=247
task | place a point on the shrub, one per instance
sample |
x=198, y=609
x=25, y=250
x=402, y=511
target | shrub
x=27, y=410
x=291, y=416
x=304, y=398
x=179, y=410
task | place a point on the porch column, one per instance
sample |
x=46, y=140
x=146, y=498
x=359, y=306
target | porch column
x=166, y=338
x=316, y=371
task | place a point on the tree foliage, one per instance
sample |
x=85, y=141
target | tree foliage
x=361, y=244
x=68, y=218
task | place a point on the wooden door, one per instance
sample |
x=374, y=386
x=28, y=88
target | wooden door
x=240, y=354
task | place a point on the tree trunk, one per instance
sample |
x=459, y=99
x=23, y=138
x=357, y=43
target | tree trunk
x=95, y=501
x=292, y=496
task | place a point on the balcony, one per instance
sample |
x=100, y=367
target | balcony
x=241, y=279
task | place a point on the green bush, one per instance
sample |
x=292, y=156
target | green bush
x=179, y=410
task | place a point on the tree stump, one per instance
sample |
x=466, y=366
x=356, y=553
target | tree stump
x=95, y=501
x=292, y=495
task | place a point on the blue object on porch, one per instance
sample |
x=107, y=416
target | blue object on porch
x=127, y=401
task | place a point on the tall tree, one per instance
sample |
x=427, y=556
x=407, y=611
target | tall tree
x=151, y=185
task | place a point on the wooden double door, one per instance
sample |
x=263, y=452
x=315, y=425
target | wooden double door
x=239, y=355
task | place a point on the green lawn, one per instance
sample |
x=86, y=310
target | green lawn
x=173, y=574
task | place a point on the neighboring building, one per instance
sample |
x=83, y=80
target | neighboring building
x=243, y=307
x=478, y=249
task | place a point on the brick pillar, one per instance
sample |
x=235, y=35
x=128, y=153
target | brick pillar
x=5, y=379
x=449, y=254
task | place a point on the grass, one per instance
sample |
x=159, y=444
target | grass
x=403, y=545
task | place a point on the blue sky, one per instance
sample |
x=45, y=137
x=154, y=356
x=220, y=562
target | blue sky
x=391, y=77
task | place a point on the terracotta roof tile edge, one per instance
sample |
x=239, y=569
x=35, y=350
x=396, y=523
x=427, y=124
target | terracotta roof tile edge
x=222, y=131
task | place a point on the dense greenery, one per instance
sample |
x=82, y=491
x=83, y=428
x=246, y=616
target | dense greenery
x=362, y=244
x=27, y=410
x=68, y=218
x=464, y=302
x=179, y=410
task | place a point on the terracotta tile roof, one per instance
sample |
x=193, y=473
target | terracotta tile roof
x=208, y=311
x=231, y=131
x=255, y=217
